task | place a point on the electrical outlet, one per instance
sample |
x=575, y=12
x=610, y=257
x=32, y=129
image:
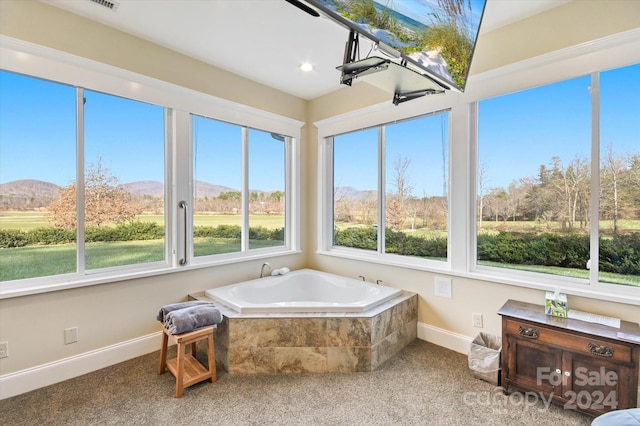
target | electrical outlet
x=70, y=335
x=4, y=349
x=477, y=320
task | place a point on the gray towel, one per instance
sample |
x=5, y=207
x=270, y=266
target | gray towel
x=162, y=315
x=188, y=319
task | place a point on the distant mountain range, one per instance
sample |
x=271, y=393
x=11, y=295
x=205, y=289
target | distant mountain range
x=30, y=193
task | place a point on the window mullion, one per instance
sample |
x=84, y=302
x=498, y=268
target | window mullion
x=382, y=199
x=80, y=232
x=594, y=245
x=244, y=243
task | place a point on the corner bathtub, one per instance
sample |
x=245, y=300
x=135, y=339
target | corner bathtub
x=305, y=290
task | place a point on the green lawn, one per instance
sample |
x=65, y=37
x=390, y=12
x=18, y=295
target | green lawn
x=31, y=220
x=39, y=261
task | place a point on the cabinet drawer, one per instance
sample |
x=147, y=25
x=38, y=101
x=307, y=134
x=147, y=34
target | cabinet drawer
x=583, y=345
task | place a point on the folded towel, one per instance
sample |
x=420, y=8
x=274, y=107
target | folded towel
x=162, y=315
x=188, y=319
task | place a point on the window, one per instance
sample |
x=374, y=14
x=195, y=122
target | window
x=119, y=217
x=96, y=164
x=124, y=214
x=400, y=169
x=535, y=177
x=222, y=224
x=619, y=225
x=37, y=160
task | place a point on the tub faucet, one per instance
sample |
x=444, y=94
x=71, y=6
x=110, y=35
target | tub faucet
x=262, y=269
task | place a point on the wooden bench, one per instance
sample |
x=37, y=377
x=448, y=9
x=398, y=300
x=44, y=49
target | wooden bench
x=185, y=367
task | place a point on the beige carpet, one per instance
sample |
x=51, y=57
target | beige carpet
x=422, y=385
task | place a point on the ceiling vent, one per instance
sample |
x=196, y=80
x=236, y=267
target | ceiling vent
x=111, y=5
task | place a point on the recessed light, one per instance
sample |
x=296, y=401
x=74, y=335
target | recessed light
x=306, y=67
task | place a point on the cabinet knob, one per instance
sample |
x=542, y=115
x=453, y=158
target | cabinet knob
x=558, y=371
x=529, y=333
x=600, y=350
x=567, y=373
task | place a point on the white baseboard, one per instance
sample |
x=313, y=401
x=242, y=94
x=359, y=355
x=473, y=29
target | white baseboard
x=47, y=374
x=445, y=338
x=13, y=384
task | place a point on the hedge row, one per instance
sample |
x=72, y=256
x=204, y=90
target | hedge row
x=618, y=254
x=134, y=231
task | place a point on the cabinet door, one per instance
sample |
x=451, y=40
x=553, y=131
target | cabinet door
x=595, y=384
x=534, y=366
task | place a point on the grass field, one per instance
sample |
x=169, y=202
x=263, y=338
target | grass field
x=28, y=262
x=39, y=261
x=31, y=220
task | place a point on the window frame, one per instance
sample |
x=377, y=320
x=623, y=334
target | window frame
x=178, y=102
x=610, y=52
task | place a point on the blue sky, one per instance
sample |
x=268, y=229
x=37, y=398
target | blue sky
x=518, y=133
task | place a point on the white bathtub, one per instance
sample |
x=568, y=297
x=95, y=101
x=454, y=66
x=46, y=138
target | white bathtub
x=305, y=290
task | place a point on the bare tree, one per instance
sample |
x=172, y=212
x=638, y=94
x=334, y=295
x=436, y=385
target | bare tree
x=104, y=201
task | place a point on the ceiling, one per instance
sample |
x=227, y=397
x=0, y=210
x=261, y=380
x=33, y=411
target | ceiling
x=262, y=40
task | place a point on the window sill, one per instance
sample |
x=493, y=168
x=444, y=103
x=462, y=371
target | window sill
x=33, y=286
x=571, y=286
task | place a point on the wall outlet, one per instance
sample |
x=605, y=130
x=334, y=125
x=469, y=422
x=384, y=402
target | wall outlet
x=442, y=287
x=477, y=320
x=4, y=349
x=70, y=335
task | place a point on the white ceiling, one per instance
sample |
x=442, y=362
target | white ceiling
x=263, y=40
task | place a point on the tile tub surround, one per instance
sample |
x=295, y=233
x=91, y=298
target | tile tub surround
x=314, y=342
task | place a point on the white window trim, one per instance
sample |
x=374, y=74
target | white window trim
x=610, y=52
x=42, y=62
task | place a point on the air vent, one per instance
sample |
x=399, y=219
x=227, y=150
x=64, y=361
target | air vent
x=111, y=5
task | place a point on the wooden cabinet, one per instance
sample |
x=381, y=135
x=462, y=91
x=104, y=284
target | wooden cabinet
x=581, y=365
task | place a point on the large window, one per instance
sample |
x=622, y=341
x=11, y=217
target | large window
x=240, y=193
x=86, y=176
x=536, y=178
x=400, y=169
x=114, y=207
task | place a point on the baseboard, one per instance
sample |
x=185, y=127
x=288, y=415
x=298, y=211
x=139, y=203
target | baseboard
x=13, y=384
x=445, y=338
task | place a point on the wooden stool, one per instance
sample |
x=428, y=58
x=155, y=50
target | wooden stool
x=185, y=367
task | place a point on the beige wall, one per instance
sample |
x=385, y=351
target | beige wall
x=108, y=314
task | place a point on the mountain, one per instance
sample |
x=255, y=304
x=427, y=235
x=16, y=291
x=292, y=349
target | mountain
x=145, y=187
x=205, y=189
x=27, y=194
x=352, y=193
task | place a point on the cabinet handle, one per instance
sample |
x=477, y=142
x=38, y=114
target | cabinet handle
x=529, y=333
x=600, y=350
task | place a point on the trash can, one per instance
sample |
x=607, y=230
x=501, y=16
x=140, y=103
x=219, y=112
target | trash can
x=484, y=357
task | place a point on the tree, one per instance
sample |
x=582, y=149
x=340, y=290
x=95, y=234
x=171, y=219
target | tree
x=105, y=202
x=397, y=201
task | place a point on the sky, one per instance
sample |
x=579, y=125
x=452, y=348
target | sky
x=518, y=133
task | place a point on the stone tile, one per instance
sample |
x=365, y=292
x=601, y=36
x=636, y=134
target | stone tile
x=251, y=360
x=301, y=360
x=381, y=326
x=302, y=332
x=349, y=360
x=255, y=332
x=222, y=333
x=393, y=343
x=348, y=332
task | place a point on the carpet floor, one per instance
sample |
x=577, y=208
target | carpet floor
x=424, y=384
